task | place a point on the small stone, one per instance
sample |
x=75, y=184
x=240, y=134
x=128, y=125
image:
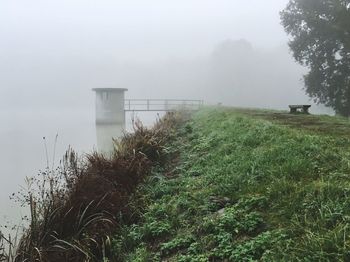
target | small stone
x=221, y=211
x=226, y=199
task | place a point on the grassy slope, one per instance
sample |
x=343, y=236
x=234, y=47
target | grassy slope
x=247, y=187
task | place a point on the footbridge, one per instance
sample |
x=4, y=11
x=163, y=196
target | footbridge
x=159, y=105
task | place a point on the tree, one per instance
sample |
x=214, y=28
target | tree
x=320, y=40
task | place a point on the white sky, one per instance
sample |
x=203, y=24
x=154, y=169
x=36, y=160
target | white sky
x=134, y=29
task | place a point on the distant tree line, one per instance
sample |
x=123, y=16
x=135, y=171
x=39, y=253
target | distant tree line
x=320, y=40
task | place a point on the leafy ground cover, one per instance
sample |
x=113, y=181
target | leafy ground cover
x=245, y=185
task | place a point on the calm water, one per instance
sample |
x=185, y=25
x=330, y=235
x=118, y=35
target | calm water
x=22, y=150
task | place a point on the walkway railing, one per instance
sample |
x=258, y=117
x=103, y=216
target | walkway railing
x=161, y=104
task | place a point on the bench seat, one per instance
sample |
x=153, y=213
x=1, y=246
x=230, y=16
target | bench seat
x=304, y=108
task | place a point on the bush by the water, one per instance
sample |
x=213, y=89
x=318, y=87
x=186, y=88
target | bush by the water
x=75, y=208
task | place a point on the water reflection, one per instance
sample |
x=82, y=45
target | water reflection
x=105, y=135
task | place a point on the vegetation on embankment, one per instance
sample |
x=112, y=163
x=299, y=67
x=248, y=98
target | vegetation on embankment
x=244, y=187
x=76, y=208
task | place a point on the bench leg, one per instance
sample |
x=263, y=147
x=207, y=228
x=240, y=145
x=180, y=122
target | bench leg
x=293, y=110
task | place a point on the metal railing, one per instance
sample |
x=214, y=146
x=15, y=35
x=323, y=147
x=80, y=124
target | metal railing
x=161, y=104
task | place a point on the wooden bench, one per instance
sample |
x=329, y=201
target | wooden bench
x=304, y=108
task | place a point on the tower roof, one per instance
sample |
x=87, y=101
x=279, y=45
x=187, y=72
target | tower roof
x=109, y=89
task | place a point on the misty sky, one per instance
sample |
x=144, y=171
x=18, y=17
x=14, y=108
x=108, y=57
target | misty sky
x=131, y=29
x=52, y=52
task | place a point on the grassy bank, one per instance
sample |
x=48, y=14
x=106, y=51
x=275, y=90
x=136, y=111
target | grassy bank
x=246, y=185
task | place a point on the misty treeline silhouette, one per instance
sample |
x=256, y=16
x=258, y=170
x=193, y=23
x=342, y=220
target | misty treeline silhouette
x=235, y=73
x=320, y=31
x=75, y=209
x=244, y=76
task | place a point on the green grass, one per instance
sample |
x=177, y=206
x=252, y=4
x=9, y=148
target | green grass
x=246, y=185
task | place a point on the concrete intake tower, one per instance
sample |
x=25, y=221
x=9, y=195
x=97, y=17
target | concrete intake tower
x=110, y=116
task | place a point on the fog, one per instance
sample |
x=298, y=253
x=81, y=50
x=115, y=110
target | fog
x=52, y=53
